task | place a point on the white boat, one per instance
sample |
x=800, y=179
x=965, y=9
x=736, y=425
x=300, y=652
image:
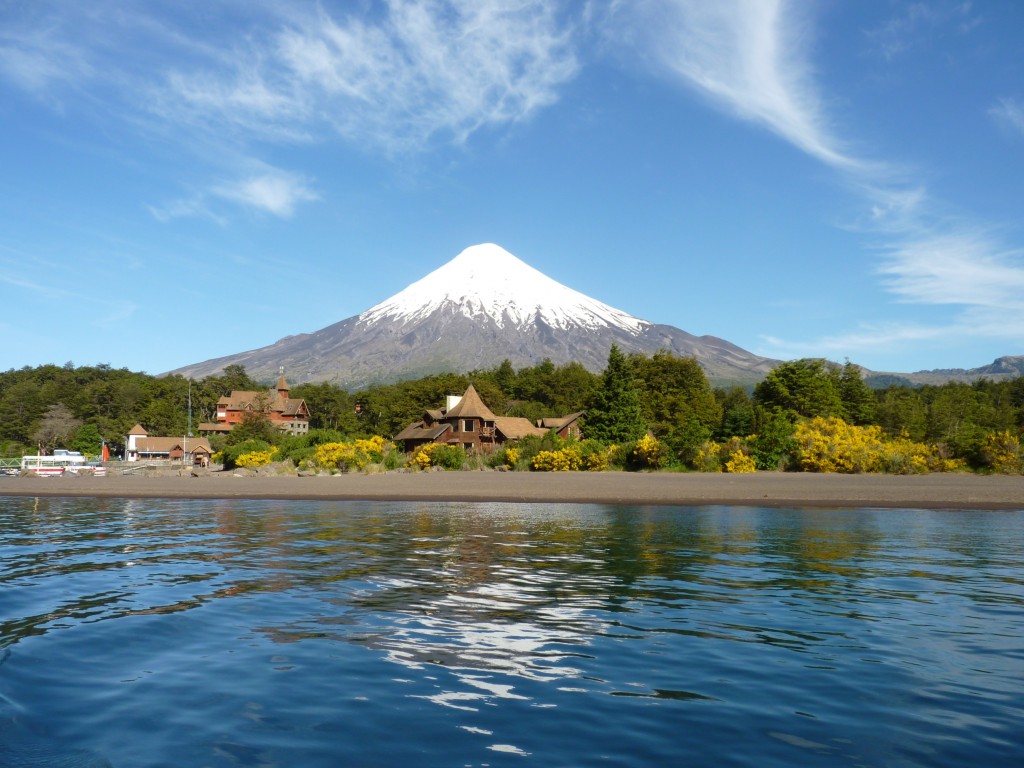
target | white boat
x=57, y=463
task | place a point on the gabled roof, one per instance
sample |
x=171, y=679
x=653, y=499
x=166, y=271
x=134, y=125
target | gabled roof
x=419, y=431
x=471, y=407
x=168, y=444
x=560, y=422
x=137, y=430
x=215, y=426
x=515, y=427
x=240, y=400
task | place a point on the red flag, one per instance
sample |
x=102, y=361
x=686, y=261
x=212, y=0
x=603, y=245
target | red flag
x=105, y=455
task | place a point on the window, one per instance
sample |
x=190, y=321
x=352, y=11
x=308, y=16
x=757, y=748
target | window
x=467, y=425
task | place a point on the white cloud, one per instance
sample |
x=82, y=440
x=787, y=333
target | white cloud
x=274, y=192
x=197, y=206
x=921, y=23
x=425, y=69
x=1010, y=113
x=959, y=268
x=36, y=58
x=748, y=56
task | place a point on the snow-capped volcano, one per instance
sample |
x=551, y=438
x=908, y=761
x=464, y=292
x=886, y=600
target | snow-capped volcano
x=482, y=307
x=486, y=282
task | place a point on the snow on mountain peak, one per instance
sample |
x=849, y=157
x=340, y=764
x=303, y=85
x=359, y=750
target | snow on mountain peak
x=486, y=281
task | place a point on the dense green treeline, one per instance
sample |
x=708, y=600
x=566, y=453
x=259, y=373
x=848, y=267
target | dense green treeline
x=664, y=395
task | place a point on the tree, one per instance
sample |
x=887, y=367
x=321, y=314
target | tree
x=57, y=426
x=900, y=409
x=807, y=387
x=614, y=415
x=505, y=377
x=88, y=440
x=857, y=398
x=235, y=377
x=737, y=413
x=674, y=392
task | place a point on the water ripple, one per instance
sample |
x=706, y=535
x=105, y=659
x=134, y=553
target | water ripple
x=314, y=634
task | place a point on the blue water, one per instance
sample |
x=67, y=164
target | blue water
x=140, y=633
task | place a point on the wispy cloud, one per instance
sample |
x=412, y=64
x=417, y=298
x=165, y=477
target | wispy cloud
x=965, y=268
x=748, y=56
x=276, y=192
x=48, y=291
x=36, y=60
x=422, y=70
x=269, y=190
x=920, y=23
x=408, y=76
x=1010, y=113
x=187, y=207
x=751, y=57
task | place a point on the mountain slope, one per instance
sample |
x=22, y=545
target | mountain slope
x=482, y=307
x=1002, y=368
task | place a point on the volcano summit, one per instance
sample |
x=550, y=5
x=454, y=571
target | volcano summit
x=482, y=307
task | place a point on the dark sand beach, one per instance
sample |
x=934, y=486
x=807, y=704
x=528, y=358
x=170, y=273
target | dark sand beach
x=775, y=489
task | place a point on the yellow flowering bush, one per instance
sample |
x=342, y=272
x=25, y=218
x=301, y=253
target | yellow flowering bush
x=595, y=459
x=255, y=458
x=649, y=453
x=420, y=458
x=438, y=455
x=708, y=458
x=739, y=462
x=566, y=459
x=511, y=457
x=1003, y=453
x=357, y=454
x=832, y=445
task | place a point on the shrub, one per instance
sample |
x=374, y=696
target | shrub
x=357, y=454
x=832, y=445
x=739, y=462
x=567, y=459
x=254, y=459
x=594, y=456
x=648, y=453
x=233, y=453
x=708, y=457
x=448, y=457
x=1001, y=452
x=773, y=445
x=511, y=457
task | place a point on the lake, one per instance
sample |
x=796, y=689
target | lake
x=137, y=633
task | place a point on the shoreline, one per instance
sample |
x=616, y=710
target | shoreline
x=762, y=489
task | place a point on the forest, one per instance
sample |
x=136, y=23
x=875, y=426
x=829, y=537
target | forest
x=797, y=409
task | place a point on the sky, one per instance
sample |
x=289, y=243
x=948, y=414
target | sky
x=182, y=180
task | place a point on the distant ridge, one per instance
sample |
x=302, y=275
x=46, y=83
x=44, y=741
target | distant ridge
x=1002, y=368
x=480, y=308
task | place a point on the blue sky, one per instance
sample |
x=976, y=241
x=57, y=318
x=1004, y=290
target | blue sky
x=185, y=180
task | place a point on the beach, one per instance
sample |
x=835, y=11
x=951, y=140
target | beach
x=763, y=489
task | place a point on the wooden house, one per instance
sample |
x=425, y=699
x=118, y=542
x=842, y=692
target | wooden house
x=287, y=413
x=141, y=446
x=468, y=422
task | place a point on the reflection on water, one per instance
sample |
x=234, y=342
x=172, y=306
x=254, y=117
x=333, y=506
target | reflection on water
x=312, y=633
